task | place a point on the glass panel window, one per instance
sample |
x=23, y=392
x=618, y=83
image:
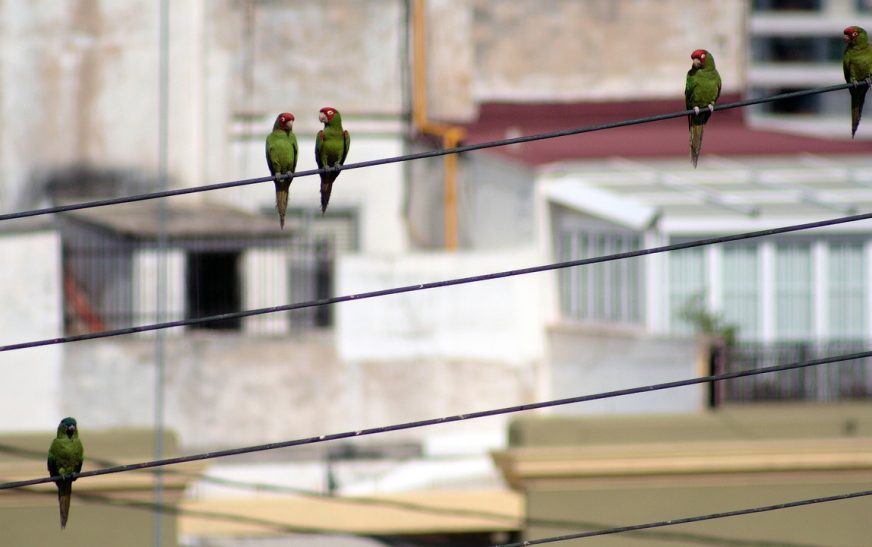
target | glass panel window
x=846, y=291
x=687, y=282
x=741, y=289
x=610, y=291
x=793, y=291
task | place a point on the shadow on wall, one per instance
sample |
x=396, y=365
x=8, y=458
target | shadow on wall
x=77, y=181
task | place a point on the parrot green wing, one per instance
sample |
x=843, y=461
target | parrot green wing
x=296, y=150
x=319, y=148
x=53, y=470
x=280, y=152
x=347, y=139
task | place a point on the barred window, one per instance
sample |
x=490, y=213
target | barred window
x=611, y=291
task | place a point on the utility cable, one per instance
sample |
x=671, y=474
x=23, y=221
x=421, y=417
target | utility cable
x=446, y=419
x=687, y=520
x=436, y=284
x=428, y=154
x=381, y=502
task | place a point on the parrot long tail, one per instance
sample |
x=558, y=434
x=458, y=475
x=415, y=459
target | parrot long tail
x=858, y=97
x=695, y=142
x=65, y=493
x=282, y=189
x=326, y=188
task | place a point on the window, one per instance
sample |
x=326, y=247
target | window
x=796, y=49
x=687, y=282
x=600, y=292
x=213, y=287
x=846, y=292
x=793, y=291
x=741, y=288
x=787, y=5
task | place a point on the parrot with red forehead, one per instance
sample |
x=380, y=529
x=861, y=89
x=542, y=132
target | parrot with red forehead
x=701, y=91
x=281, y=158
x=331, y=149
x=857, y=65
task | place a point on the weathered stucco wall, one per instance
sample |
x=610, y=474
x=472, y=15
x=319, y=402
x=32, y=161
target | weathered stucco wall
x=566, y=50
x=231, y=390
x=79, y=81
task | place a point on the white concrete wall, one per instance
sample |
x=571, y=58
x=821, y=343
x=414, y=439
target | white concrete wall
x=587, y=360
x=230, y=390
x=30, y=382
x=497, y=320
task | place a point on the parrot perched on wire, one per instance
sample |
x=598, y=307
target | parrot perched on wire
x=65, y=457
x=857, y=64
x=702, y=90
x=281, y=157
x=331, y=149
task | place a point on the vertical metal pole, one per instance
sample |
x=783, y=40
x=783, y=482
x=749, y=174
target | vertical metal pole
x=160, y=337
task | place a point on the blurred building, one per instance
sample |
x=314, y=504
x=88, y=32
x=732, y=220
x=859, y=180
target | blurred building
x=80, y=121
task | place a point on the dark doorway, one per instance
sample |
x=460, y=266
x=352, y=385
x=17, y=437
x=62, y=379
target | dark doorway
x=213, y=287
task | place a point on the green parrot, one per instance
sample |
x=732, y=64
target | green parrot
x=857, y=64
x=331, y=149
x=702, y=90
x=281, y=157
x=65, y=457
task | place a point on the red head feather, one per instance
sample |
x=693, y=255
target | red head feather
x=282, y=120
x=851, y=34
x=328, y=112
x=700, y=54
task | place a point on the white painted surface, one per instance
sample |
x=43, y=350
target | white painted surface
x=30, y=379
x=496, y=320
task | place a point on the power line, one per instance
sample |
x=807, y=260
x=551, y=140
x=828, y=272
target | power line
x=424, y=155
x=372, y=501
x=446, y=419
x=436, y=284
x=687, y=520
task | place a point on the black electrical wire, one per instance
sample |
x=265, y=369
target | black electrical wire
x=436, y=284
x=424, y=155
x=688, y=520
x=446, y=419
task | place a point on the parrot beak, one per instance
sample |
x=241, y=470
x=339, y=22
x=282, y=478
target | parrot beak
x=697, y=63
x=322, y=117
x=70, y=430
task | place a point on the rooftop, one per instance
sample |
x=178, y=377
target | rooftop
x=726, y=134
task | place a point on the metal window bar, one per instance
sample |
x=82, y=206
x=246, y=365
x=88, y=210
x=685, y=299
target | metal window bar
x=107, y=278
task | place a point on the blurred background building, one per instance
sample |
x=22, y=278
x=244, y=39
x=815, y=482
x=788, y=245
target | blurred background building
x=80, y=119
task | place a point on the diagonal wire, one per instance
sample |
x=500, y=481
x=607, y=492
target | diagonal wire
x=428, y=154
x=372, y=501
x=437, y=284
x=687, y=520
x=446, y=419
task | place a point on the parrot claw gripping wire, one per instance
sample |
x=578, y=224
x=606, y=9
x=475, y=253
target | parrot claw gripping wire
x=696, y=110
